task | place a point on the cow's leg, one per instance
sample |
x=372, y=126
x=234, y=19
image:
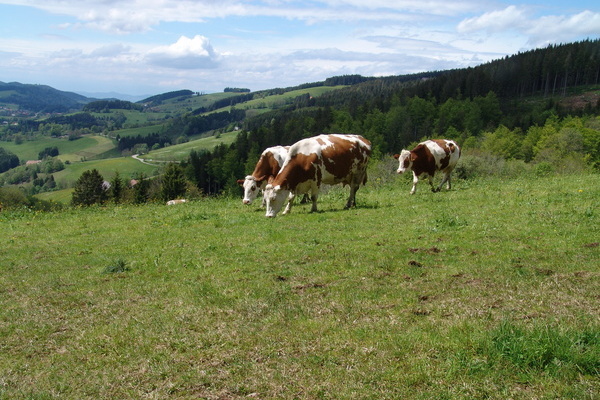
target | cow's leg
x=313, y=198
x=290, y=201
x=433, y=188
x=352, y=198
x=415, y=181
x=445, y=179
x=355, y=183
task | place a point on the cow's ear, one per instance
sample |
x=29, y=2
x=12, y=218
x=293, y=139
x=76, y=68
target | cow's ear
x=240, y=182
x=259, y=179
x=396, y=156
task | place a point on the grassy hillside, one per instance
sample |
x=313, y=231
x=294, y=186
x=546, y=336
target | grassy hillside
x=69, y=150
x=180, y=152
x=126, y=166
x=487, y=291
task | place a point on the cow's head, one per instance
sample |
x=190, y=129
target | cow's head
x=251, y=187
x=274, y=198
x=405, y=160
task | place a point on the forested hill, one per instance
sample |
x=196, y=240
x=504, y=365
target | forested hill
x=497, y=106
x=41, y=98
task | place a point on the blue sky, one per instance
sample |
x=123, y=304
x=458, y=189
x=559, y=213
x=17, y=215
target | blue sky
x=153, y=46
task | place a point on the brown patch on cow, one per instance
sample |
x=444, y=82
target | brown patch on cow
x=423, y=161
x=300, y=168
x=336, y=160
x=266, y=167
x=444, y=162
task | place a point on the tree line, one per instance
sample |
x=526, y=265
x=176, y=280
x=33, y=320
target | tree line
x=100, y=106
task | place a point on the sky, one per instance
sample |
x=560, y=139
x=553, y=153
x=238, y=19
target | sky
x=150, y=47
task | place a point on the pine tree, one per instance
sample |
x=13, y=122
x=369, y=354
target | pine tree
x=173, y=182
x=89, y=189
x=141, y=190
x=116, y=188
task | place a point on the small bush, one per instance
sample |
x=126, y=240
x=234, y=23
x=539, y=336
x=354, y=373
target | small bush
x=543, y=168
x=117, y=266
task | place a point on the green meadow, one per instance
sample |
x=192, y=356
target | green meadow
x=487, y=291
x=88, y=146
x=180, y=152
x=126, y=166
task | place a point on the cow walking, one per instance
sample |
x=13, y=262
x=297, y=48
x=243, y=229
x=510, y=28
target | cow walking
x=427, y=158
x=266, y=168
x=323, y=159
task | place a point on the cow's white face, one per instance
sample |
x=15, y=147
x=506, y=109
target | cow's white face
x=404, y=162
x=251, y=188
x=274, y=199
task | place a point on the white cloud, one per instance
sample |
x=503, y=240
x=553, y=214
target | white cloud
x=494, y=21
x=134, y=16
x=186, y=53
x=111, y=50
x=537, y=31
x=565, y=27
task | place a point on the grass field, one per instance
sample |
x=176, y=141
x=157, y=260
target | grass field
x=126, y=166
x=182, y=151
x=487, y=291
x=279, y=100
x=69, y=150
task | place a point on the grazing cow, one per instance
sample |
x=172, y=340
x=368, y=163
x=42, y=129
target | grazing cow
x=324, y=159
x=173, y=202
x=429, y=157
x=266, y=168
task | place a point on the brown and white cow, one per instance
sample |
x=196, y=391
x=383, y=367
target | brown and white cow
x=323, y=159
x=266, y=168
x=427, y=158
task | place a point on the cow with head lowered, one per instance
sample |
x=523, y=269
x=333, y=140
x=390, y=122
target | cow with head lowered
x=427, y=158
x=311, y=162
x=266, y=168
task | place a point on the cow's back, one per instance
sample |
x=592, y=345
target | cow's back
x=328, y=159
x=343, y=156
x=270, y=162
x=445, y=153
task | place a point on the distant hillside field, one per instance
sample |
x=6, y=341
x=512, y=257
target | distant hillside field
x=180, y=152
x=127, y=167
x=69, y=150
